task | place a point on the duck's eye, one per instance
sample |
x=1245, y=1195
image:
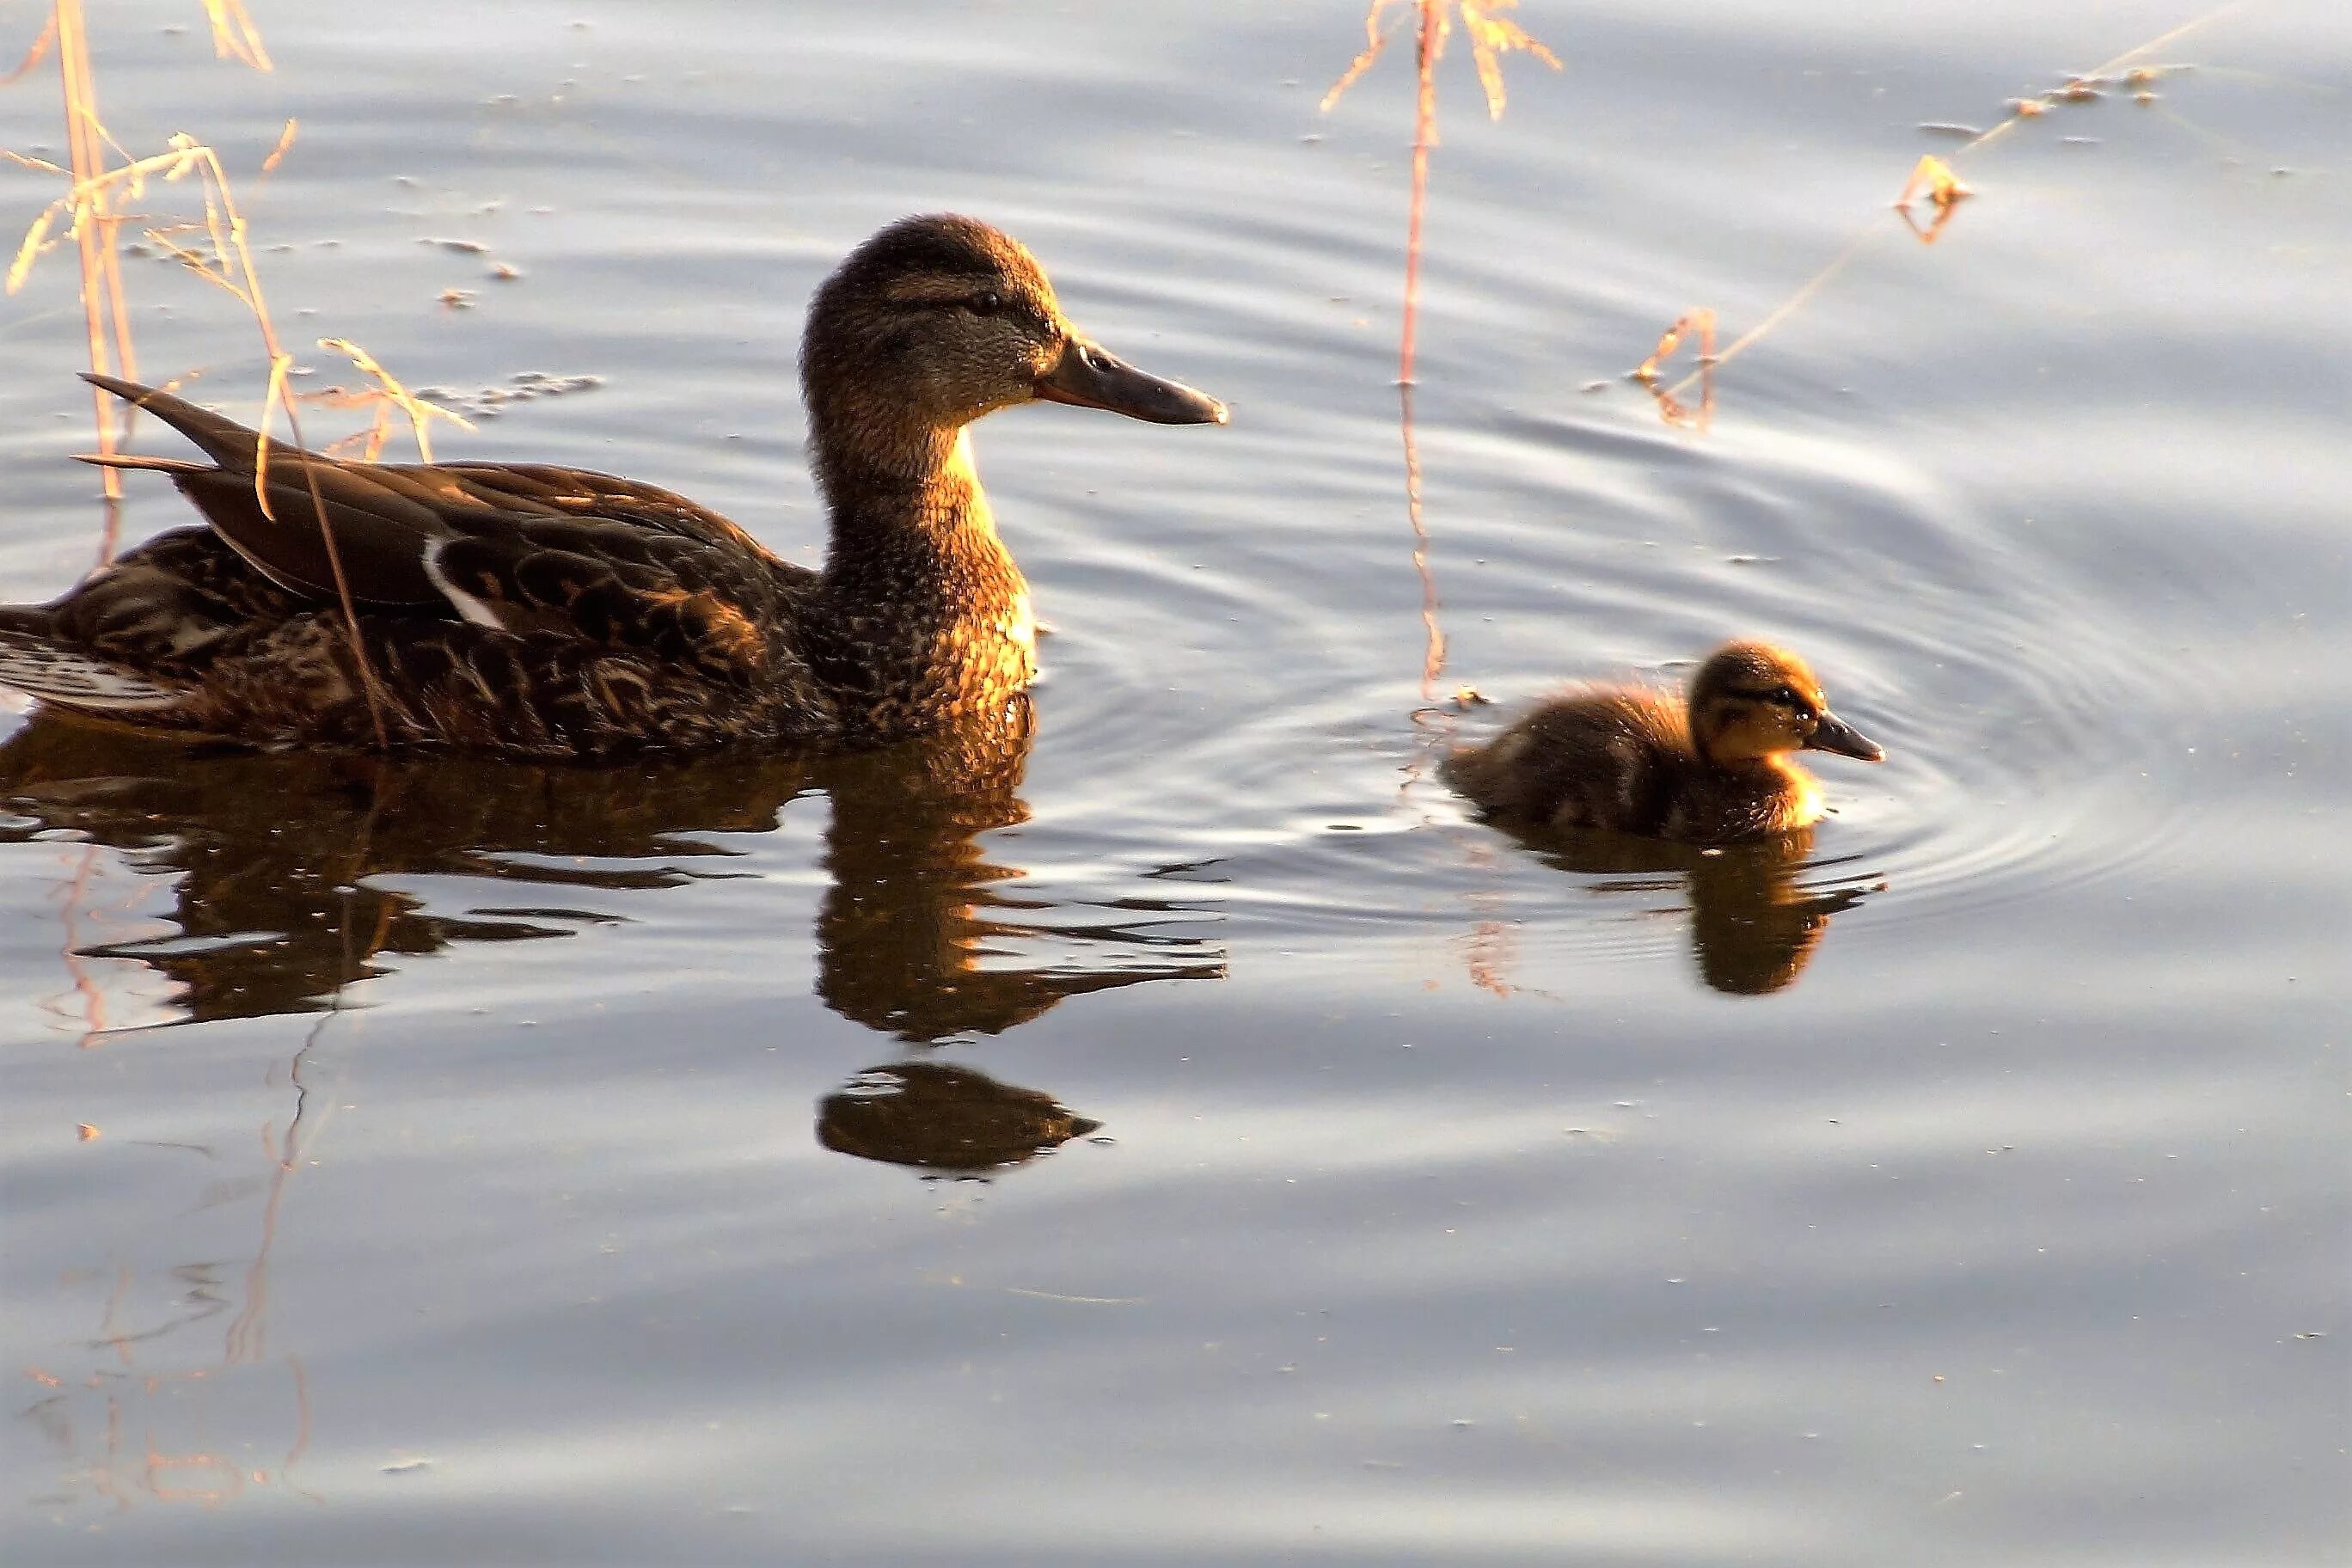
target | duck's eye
x=987, y=303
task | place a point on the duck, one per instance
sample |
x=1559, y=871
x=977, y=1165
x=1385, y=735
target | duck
x=538, y=611
x=1716, y=768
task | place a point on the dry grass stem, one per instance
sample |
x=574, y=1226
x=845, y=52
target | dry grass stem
x=91, y=205
x=1947, y=197
x=33, y=56
x=1492, y=36
x=234, y=35
x=105, y=314
x=285, y=144
x=1931, y=180
x=387, y=396
x=1700, y=321
x=91, y=210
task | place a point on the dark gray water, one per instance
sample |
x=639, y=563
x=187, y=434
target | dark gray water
x=498, y=1165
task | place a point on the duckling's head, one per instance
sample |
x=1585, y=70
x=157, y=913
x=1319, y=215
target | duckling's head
x=1751, y=700
x=938, y=320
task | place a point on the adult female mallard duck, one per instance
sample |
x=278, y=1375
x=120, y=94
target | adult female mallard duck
x=1713, y=769
x=550, y=612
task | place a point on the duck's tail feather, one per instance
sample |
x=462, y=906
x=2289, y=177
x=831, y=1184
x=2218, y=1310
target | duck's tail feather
x=380, y=521
x=223, y=440
x=33, y=661
x=159, y=465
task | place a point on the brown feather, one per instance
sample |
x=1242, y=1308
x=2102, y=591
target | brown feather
x=555, y=612
x=1634, y=761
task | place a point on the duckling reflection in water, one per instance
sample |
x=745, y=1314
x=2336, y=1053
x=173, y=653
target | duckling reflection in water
x=1715, y=769
x=554, y=613
x=1754, y=926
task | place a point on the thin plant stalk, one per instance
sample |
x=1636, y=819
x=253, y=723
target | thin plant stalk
x=1424, y=135
x=1433, y=654
x=2024, y=109
x=1429, y=39
x=103, y=307
x=282, y=396
x=229, y=266
x=34, y=55
x=1491, y=38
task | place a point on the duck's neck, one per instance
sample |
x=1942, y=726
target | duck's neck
x=1800, y=801
x=1764, y=795
x=924, y=612
x=1738, y=797
x=912, y=528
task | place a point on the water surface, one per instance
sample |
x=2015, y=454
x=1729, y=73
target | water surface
x=1169, y=1128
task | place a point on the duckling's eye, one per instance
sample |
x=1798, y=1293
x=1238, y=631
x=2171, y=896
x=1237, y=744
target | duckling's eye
x=987, y=303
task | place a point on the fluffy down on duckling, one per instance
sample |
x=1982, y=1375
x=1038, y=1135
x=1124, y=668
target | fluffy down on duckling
x=1712, y=769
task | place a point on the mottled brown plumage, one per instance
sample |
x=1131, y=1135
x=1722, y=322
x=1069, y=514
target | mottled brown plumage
x=551, y=611
x=1714, y=770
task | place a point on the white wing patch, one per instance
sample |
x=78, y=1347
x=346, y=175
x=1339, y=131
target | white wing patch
x=477, y=610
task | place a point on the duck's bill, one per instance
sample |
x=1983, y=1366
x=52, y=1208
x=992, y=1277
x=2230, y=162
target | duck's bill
x=1087, y=377
x=1834, y=734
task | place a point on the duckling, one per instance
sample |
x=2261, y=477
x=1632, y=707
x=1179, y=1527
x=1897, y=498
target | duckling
x=550, y=612
x=1712, y=771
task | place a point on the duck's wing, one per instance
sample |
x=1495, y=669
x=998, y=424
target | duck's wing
x=519, y=547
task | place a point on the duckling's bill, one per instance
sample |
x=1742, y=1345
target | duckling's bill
x=1832, y=734
x=1086, y=376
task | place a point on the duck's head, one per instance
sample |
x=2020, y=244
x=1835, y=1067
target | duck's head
x=938, y=320
x=1751, y=700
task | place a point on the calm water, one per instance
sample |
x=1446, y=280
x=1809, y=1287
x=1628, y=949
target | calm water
x=1179, y=1133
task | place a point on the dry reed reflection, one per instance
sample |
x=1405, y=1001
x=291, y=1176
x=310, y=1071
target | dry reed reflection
x=1433, y=655
x=129, y=1430
x=88, y=999
x=132, y=1457
x=148, y=1418
x=272, y=863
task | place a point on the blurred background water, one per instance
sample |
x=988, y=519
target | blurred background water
x=1183, y=1134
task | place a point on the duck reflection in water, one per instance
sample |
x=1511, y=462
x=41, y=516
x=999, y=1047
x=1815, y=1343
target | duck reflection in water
x=1754, y=924
x=944, y=1121
x=274, y=855
x=277, y=865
